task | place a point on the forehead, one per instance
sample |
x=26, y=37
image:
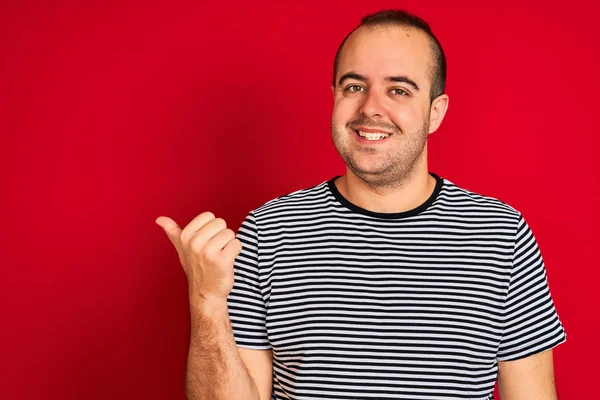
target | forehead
x=379, y=51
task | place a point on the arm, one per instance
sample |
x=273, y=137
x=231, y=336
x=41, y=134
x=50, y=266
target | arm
x=529, y=378
x=259, y=364
x=215, y=369
x=531, y=326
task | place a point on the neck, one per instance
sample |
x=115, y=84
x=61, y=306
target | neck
x=407, y=195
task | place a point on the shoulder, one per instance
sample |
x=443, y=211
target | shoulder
x=299, y=200
x=459, y=199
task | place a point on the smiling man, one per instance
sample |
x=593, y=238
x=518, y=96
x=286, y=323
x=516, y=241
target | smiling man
x=386, y=282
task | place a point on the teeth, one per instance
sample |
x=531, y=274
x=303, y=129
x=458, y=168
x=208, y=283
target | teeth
x=373, y=136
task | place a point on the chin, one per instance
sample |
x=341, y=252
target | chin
x=369, y=166
x=371, y=174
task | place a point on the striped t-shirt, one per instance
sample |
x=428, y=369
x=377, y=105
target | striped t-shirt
x=415, y=305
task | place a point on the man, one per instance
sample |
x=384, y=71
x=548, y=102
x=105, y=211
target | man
x=387, y=282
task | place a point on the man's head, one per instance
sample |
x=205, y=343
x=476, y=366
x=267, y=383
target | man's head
x=389, y=79
x=400, y=18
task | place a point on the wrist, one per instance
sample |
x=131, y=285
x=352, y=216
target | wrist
x=207, y=306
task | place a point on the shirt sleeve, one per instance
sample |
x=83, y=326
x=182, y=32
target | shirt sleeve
x=531, y=324
x=246, y=301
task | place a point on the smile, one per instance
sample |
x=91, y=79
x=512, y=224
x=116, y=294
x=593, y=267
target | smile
x=372, y=135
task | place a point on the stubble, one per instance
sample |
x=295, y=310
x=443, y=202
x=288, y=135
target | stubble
x=391, y=167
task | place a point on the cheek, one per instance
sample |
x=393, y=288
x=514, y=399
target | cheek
x=407, y=117
x=344, y=109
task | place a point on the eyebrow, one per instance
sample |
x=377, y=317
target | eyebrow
x=399, y=78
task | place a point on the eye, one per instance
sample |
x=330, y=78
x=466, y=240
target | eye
x=400, y=92
x=353, y=88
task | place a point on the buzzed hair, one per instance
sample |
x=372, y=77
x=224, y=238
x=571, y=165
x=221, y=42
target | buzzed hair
x=404, y=19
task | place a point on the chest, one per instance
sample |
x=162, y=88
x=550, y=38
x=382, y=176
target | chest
x=408, y=298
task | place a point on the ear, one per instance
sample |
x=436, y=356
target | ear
x=438, y=109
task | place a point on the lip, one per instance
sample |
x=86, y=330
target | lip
x=370, y=130
x=365, y=141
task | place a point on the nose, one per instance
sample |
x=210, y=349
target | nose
x=372, y=105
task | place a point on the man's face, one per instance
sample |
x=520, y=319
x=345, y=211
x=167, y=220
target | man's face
x=381, y=112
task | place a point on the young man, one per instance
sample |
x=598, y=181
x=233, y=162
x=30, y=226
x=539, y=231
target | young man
x=387, y=282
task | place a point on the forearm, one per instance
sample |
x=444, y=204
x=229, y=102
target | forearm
x=215, y=370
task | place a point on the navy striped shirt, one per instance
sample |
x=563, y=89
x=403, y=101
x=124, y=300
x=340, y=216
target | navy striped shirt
x=415, y=305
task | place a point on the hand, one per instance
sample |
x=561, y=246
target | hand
x=207, y=250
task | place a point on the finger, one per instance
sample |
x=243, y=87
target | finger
x=196, y=224
x=231, y=251
x=219, y=241
x=202, y=236
x=171, y=228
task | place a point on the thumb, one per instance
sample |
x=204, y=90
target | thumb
x=171, y=228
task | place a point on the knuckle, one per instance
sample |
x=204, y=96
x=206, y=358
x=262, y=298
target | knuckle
x=220, y=222
x=186, y=235
x=238, y=245
x=230, y=232
x=197, y=244
x=208, y=256
x=208, y=214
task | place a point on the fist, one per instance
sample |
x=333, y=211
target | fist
x=207, y=250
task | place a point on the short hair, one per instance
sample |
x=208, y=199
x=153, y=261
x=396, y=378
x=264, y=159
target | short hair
x=405, y=19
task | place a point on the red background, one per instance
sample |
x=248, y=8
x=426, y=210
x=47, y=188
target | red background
x=115, y=113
